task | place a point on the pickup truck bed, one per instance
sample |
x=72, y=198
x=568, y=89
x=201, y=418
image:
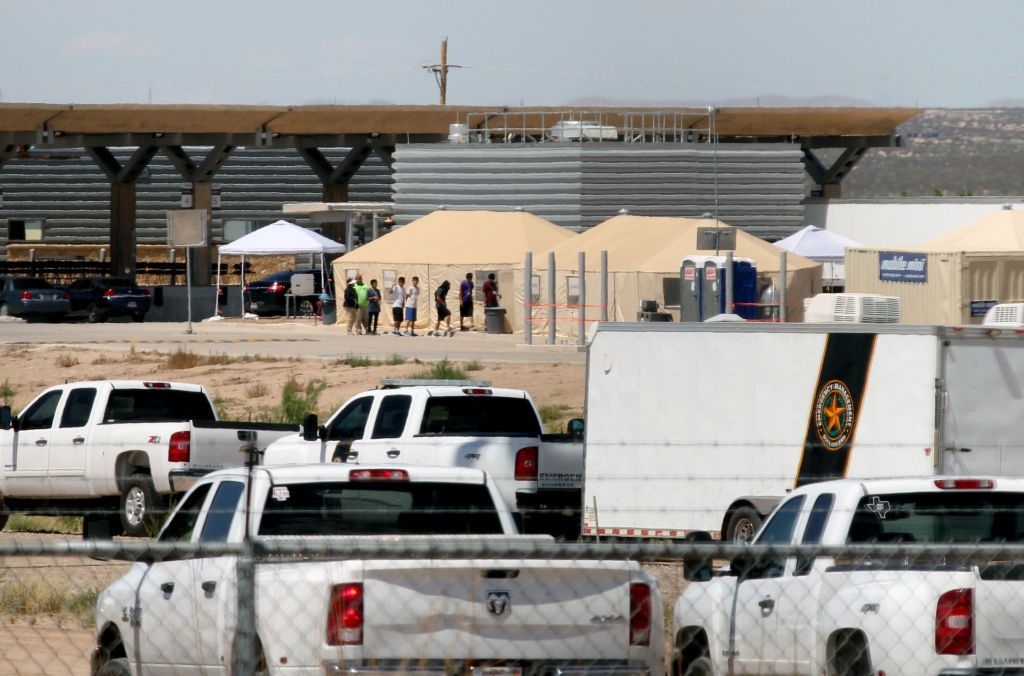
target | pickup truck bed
x=320, y=614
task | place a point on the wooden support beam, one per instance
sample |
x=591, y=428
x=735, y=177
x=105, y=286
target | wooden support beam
x=177, y=156
x=202, y=256
x=386, y=152
x=122, y=229
x=214, y=159
x=318, y=163
x=350, y=164
x=105, y=160
x=136, y=163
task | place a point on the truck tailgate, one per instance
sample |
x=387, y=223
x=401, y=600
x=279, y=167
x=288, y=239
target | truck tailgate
x=496, y=609
x=215, y=444
x=560, y=463
x=998, y=607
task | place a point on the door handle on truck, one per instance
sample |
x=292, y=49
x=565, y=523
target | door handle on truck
x=167, y=587
x=766, y=606
x=40, y=442
x=394, y=453
x=208, y=587
x=78, y=440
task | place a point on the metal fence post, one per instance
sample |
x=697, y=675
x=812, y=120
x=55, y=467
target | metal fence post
x=528, y=298
x=782, y=287
x=582, y=338
x=551, y=298
x=604, y=286
x=245, y=657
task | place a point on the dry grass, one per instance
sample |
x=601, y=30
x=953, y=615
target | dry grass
x=38, y=598
x=257, y=390
x=66, y=361
x=182, y=359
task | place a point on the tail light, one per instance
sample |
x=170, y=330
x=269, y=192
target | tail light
x=276, y=287
x=109, y=292
x=26, y=295
x=964, y=484
x=954, y=623
x=146, y=292
x=378, y=475
x=526, y=464
x=639, y=614
x=345, y=616
x=180, y=447
x=66, y=296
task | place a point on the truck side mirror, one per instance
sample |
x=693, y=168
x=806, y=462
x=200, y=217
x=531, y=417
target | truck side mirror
x=309, y=427
x=697, y=566
x=574, y=428
x=321, y=432
x=6, y=418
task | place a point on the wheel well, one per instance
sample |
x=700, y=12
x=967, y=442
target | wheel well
x=131, y=462
x=739, y=504
x=762, y=505
x=110, y=644
x=691, y=644
x=843, y=640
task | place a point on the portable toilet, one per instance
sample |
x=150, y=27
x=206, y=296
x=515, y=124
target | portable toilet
x=702, y=282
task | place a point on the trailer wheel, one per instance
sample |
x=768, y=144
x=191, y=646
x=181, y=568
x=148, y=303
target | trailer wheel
x=141, y=506
x=743, y=525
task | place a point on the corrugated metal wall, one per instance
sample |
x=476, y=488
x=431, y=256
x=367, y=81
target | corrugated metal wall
x=760, y=187
x=73, y=195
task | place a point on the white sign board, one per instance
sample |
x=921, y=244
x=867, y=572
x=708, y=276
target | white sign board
x=302, y=284
x=186, y=227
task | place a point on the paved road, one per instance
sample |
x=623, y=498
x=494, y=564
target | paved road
x=297, y=338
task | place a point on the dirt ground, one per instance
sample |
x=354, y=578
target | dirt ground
x=243, y=388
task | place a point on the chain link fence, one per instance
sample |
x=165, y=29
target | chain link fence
x=273, y=607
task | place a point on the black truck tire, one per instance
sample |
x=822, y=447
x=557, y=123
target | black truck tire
x=141, y=506
x=743, y=525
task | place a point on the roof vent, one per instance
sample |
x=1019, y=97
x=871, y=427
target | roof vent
x=853, y=308
x=623, y=212
x=1005, y=314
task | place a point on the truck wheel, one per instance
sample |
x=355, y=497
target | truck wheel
x=115, y=667
x=850, y=656
x=701, y=667
x=743, y=525
x=141, y=506
x=4, y=514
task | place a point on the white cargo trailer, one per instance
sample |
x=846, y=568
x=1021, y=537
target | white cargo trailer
x=703, y=427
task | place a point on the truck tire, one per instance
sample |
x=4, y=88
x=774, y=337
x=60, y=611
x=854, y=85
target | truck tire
x=701, y=667
x=141, y=506
x=743, y=525
x=115, y=667
x=4, y=514
x=850, y=656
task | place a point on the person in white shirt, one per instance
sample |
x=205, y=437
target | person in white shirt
x=397, y=304
x=412, y=297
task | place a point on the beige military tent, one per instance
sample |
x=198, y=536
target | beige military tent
x=642, y=252
x=952, y=279
x=445, y=245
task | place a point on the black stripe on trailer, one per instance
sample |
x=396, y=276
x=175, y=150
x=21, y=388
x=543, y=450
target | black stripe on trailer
x=835, y=406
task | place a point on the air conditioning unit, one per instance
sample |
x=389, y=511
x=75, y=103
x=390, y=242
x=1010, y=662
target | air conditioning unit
x=1005, y=314
x=852, y=308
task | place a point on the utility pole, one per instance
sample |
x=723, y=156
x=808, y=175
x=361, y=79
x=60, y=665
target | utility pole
x=440, y=71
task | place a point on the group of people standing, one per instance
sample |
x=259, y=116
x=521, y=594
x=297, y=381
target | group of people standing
x=362, y=305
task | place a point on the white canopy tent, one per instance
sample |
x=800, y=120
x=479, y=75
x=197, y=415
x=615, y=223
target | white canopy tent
x=824, y=247
x=280, y=238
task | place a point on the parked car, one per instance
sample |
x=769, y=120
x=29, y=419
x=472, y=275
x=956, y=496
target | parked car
x=267, y=296
x=32, y=296
x=98, y=298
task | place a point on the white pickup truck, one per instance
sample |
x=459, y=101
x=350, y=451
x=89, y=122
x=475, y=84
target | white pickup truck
x=92, y=447
x=456, y=424
x=321, y=615
x=855, y=616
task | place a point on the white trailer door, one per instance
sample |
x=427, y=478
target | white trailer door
x=982, y=406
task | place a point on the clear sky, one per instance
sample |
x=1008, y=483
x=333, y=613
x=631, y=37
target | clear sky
x=928, y=53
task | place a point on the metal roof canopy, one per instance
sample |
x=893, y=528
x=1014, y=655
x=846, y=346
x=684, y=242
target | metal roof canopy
x=369, y=128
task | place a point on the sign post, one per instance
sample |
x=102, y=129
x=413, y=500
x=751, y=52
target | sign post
x=187, y=228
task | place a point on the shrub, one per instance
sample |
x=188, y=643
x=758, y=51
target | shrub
x=442, y=370
x=66, y=361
